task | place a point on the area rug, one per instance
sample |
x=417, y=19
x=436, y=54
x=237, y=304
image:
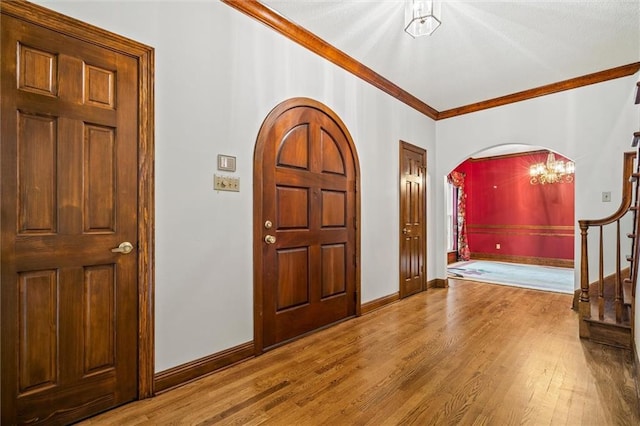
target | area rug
x=547, y=278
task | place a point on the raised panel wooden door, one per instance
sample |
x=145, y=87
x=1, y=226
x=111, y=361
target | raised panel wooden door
x=412, y=219
x=69, y=196
x=308, y=186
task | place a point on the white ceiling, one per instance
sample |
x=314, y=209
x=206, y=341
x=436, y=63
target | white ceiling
x=483, y=49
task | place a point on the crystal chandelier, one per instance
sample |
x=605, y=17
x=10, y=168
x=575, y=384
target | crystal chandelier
x=553, y=171
x=421, y=17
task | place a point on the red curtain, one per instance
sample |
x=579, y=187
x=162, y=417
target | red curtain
x=457, y=180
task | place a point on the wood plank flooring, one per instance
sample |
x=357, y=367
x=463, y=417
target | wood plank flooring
x=472, y=354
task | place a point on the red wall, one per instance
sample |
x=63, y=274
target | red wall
x=504, y=208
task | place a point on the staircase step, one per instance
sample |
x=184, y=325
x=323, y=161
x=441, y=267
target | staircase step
x=618, y=335
x=636, y=139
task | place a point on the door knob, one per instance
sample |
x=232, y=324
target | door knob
x=405, y=231
x=269, y=239
x=124, y=248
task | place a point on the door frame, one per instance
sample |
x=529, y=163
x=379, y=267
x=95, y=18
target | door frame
x=258, y=226
x=407, y=146
x=144, y=55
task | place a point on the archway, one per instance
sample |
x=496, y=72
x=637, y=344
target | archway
x=498, y=211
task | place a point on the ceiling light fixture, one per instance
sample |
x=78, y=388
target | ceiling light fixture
x=553, y=171
x=421, y=17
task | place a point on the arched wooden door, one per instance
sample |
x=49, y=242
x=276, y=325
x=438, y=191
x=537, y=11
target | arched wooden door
x=306, y=212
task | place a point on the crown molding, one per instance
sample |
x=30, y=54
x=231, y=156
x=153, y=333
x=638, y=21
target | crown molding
x=307, y=39
x=269, y=17
x=573, y=83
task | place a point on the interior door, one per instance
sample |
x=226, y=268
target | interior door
x=413, y=162
x=68, y=225
x=305, y=223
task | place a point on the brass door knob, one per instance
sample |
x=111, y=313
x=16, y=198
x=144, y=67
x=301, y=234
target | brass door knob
x=406, y=231
x=124, y=248
x=269, y=239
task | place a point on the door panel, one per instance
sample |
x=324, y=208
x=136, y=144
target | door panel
x=334, y=205
x=412, y=219
x=306, y=187
x=293, y=207
x=334, y=268
x=37, y=310
x=293, y=278
x=99, y=166
x=36, y=141
x=69, y=195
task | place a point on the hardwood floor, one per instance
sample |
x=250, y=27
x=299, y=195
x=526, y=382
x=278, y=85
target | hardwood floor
x=472, y=354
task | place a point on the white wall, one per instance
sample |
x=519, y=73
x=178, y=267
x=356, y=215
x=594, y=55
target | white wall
x=218, y=74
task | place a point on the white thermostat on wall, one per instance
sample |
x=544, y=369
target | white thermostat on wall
x=226, y=163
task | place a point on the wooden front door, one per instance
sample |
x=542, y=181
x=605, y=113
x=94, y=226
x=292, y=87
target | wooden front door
x=69, y=223
x=305, y=226
x=413, y=166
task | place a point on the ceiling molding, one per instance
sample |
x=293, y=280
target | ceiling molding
x=305, y=38
x=573, y=83
x=258, y=11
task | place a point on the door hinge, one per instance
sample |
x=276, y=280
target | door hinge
x=355, y=222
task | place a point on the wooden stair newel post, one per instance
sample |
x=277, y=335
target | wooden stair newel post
x=584, y=305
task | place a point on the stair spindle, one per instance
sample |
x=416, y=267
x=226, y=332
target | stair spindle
x=618, y=283
x=601, y=278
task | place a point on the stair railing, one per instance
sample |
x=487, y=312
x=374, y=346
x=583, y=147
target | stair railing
x=625, y=206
